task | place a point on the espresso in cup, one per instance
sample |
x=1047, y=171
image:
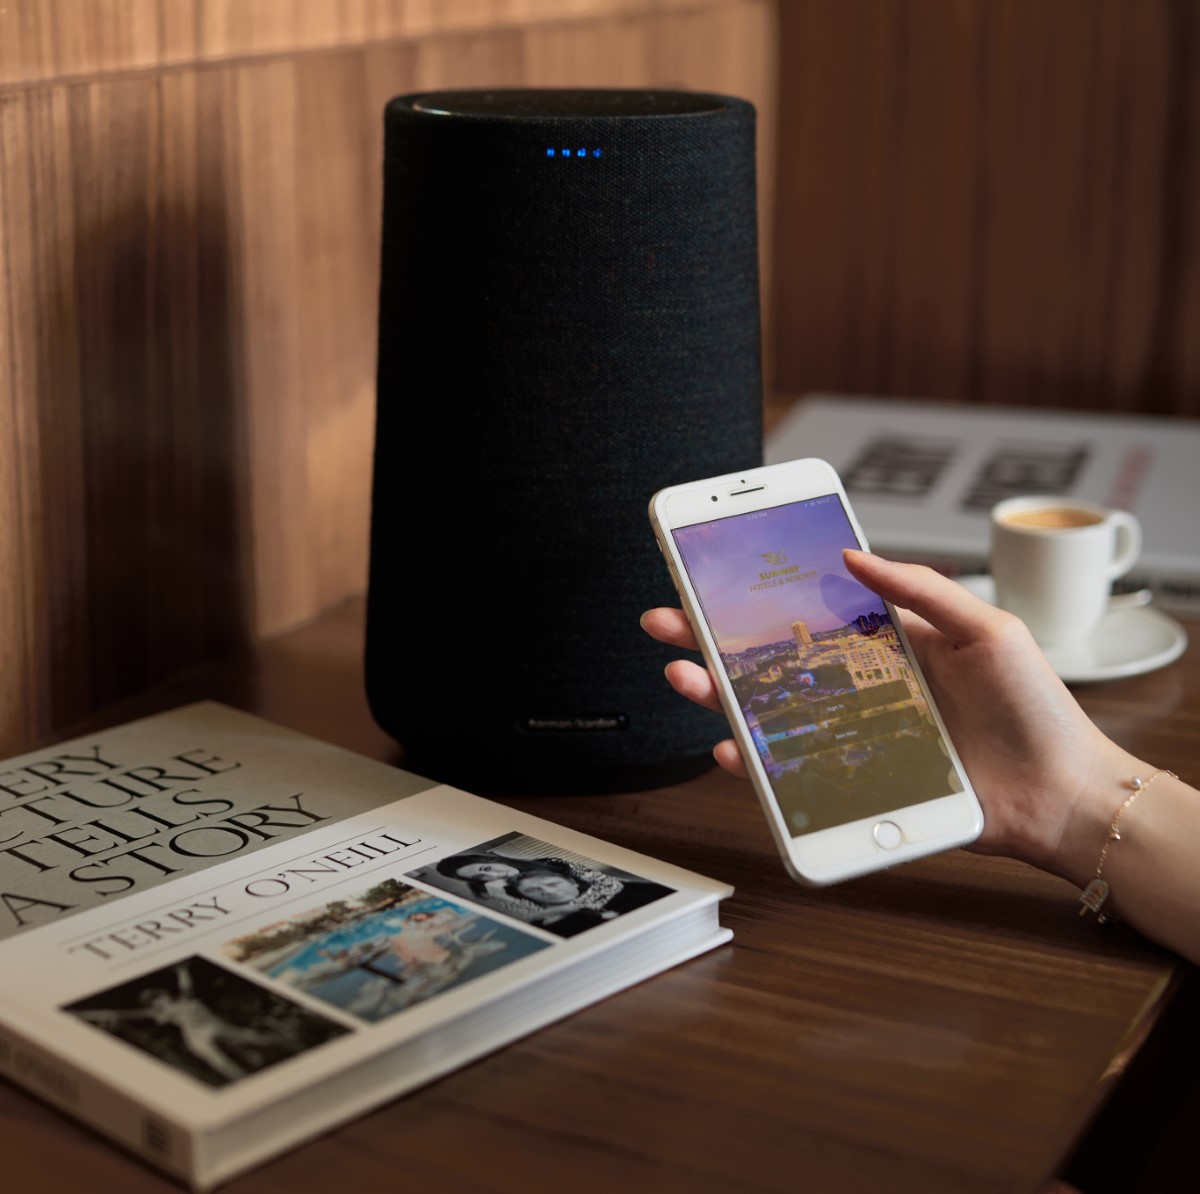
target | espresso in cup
x=1054, y=560
x=1059, y=518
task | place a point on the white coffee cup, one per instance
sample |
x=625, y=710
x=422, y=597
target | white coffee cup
x=1053, y=560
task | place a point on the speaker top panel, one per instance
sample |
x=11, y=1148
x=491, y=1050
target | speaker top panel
x=548, y=103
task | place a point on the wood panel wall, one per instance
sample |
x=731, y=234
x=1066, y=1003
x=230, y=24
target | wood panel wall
x=189, y=210
x=991, y=200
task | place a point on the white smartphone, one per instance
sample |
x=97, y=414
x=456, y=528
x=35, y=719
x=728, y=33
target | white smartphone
x=845, y=748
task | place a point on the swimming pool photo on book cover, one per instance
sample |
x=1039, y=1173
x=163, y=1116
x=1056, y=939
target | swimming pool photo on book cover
x=381, y=950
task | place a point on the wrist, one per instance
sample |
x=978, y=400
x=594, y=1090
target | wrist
x=1088, y=819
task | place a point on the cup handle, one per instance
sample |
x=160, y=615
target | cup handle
x=1129, y=543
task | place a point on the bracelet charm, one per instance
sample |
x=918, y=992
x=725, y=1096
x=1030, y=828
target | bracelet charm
x=1096, y=892
x=1094, y=895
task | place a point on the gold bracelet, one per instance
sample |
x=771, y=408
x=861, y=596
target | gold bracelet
x=1096, y=892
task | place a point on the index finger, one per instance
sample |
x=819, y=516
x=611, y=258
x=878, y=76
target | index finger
x=943, y=603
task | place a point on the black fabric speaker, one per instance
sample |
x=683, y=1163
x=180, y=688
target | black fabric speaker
x=568, y=320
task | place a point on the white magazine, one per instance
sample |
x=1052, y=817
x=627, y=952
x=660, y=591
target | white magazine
x=923, y=476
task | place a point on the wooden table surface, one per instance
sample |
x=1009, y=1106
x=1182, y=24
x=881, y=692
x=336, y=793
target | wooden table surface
x=950, y=1025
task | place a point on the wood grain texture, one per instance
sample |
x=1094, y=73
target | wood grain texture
x=991, y=200
x=190, y=197
x=121, y=499
x=947, y=1027
x=81, y=38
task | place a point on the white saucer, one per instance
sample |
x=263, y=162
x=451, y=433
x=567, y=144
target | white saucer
x=1128, y=641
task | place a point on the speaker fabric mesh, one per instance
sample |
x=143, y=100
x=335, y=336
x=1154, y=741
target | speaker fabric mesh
x=558, y=338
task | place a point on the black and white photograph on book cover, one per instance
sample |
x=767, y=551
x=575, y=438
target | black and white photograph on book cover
x=206, y=1021
x=381, y=950
x=530, y=880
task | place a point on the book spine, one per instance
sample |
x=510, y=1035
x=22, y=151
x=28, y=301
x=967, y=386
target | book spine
x=152, y=1136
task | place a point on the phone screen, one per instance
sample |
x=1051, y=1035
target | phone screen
x=837, y=714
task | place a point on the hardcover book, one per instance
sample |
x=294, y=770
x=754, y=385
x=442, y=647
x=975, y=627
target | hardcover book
x=232, y=937
x=923, y=477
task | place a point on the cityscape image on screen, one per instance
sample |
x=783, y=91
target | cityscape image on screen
x=838, y=717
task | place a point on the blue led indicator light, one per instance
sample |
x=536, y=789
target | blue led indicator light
x=566, y=153
x=549, y=153
x=581, y=153
x=595, y=153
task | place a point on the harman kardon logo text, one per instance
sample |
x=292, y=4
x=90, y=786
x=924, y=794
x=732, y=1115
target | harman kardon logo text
x=590, y=723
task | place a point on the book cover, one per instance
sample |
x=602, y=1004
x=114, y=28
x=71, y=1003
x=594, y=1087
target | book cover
x=232, y=937
x=924, y=475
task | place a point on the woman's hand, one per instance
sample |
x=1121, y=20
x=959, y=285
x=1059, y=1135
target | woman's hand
x=1041, y=769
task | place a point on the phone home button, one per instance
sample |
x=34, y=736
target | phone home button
x=887, y=834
